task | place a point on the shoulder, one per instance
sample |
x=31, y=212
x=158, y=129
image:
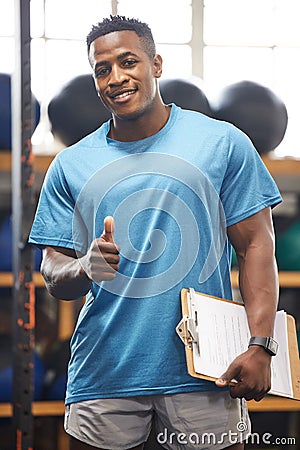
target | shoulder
x=87, y=144
x=201, y=122
x=210, y=134
x=76, y=156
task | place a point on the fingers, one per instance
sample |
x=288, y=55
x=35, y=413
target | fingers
x=244, y=383
x=247, y=394
x=104, y=276
x=258, y=398
x=242, y=389
x=101, y=263
x=105, y=253
x=247, y=388
x=106, y=247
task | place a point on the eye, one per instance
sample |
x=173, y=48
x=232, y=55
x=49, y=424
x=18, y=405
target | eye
x=101, y=72
x=129, y=62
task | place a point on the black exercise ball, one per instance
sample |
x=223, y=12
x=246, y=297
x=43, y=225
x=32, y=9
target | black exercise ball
x=256, y=110
x=186, y=94
x=76, y=110
x=5, y=112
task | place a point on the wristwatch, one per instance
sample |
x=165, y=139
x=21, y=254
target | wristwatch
x=268, y=343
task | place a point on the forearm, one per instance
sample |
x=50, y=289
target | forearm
x=258, y=282
x=254, y=243
x=64, y=276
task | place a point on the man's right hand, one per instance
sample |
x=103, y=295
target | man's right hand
x=102, y=259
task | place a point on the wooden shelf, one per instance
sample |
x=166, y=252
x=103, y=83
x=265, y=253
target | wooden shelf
x=66, y=307
x=52, y=408
x=40, y=163
x=286, y=279
x=7, y=279
x=57, y=408
x=271, y=403
x=277, y=166
x=283, y=166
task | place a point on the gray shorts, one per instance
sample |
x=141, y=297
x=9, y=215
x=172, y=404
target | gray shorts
x=193, y=420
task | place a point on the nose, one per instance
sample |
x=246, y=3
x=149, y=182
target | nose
x=117, y=75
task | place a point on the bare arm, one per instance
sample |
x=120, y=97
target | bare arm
x=69, y=277
x=254, y=243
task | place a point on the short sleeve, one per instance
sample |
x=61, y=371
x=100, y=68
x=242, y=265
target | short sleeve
x=247, y=185
x=53, y=220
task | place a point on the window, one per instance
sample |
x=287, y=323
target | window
x=259, y=41
x=171, y=25
x=220, y=42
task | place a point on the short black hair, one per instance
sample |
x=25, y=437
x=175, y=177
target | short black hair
x=121, y=23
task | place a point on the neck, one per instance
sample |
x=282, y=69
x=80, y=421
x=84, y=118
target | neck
x=141, y=127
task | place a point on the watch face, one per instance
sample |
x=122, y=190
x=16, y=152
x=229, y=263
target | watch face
x=268, y=343
x=273, y=346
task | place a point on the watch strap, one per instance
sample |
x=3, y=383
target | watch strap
x=268, y=343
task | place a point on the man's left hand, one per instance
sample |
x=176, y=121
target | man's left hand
x=249, y=375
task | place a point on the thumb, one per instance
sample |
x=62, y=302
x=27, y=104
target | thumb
x=227, y=378
x=109, y=229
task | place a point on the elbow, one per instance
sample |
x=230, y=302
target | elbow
x=63, y=276
x=64, y=293
x=66, y=290
x=53, y=291
x=49, y=282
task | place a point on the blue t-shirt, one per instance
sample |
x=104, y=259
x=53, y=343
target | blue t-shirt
x=172, y=196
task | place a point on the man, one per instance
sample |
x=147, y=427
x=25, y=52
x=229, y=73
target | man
x=172, y=188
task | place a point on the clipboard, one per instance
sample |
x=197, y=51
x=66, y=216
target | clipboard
x=187, y=331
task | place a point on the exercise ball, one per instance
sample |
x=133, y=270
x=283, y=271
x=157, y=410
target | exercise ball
x=256, y=110
x=288, y=247
x=76, y=110
x=5, y=112
x=6, y=241
x=186, y=94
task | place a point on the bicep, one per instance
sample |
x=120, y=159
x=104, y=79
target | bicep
x=254, y=231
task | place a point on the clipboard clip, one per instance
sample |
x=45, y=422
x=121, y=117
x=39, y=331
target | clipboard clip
x=186, y=331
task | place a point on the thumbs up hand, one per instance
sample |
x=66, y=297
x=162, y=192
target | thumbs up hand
x=102, y=259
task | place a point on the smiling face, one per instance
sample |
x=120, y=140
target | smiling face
x=125, y=75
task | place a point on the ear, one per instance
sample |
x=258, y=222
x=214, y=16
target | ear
x=157, y=66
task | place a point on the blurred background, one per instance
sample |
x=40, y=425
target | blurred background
x=221, y=42
x=236, y=60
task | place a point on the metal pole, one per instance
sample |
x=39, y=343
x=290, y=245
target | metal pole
x=114, y=7
x=23, y=204
x=197, y=42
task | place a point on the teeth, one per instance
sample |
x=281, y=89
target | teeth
x=124, y=94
